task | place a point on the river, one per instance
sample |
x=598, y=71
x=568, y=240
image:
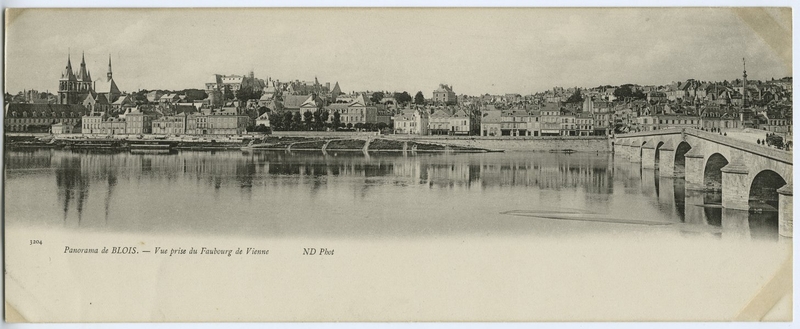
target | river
x=357, y=195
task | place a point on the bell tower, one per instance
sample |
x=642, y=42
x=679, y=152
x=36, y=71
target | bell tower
x=68, y=85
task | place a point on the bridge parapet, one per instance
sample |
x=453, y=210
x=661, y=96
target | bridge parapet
x=774, y=154
x=668, y=131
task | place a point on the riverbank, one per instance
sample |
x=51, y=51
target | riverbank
x=279, y=143
x=526, y=143
x=317, y=141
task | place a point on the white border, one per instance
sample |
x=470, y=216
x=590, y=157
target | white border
x=415, y=3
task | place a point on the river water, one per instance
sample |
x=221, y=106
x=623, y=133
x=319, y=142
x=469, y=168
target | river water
x=361, y=196
x=515, y=236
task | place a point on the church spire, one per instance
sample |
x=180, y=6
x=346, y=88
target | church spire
x=68, y=73
x=108, y=75
x=82, y=74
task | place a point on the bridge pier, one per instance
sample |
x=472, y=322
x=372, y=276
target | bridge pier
x=694, y=170
x=648, y=156
x=735, y=223
x=735, y=186
x=621, y=148
x=694, y=212
x=666, y=162
x=636, y=155
x=785, y=222
x=667, y=195
x=628, y=151
x=648, y=182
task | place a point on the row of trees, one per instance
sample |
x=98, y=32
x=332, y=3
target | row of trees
x=402, y=98
x=140, y=97
x=317, y=121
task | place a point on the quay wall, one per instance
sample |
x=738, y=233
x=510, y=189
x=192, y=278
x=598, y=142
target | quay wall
x=579, y=144
x=326, y=134
x=505, y=143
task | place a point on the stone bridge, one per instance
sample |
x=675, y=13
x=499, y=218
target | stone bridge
x=749, y=176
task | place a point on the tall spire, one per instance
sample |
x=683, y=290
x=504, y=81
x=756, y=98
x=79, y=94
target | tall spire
x=108, y=75
x=68, y=74
x=744, y=82
x=82, y=75
x=744, y=65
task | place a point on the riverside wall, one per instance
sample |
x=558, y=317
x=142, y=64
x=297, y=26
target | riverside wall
x=579, y=144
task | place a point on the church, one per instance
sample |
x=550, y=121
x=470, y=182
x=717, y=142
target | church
x=77, y=87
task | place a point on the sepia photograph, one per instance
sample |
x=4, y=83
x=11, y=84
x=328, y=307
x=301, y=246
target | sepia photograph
x=398, y=164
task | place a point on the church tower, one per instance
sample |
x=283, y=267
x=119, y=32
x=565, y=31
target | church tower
x=84, y=81
x=67, y=85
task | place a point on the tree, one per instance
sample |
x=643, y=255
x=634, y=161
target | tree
x=228, y=93
x=419, y=99
x=626, y=92
x=247, y=93
x=288, y=121
x=261, y=128
x=194, y=94
x=140, y=97
x=297, y=121
x=377, y=97
x=337, y=120
x=324, y=115
x=275, y=121
x=318, y=123
x=358, y=125
x=382, y=125
x=308, y=117
x=403, y=98
x=575, y=97
x=349, y=126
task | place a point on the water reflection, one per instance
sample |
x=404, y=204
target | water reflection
x=284, y=193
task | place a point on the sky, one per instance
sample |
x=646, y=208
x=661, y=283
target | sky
x=476, y=50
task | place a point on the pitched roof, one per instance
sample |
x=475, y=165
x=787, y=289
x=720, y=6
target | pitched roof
x=294, y=101
x=404, y=116
x=18, y=110
x=460, y=114
x=263, y=116
x=491, y=117
x=358, y=101
x=188, y=109
x=440, y=114
x=122, y=100
x=105, y=86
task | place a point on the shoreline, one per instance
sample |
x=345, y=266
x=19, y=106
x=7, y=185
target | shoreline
x=283, y=141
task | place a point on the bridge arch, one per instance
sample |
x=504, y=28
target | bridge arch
x=764, y=189
x=680, y=157
x=763, y=203
x=657, y=155
x=641, y=149
x=712, y=173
